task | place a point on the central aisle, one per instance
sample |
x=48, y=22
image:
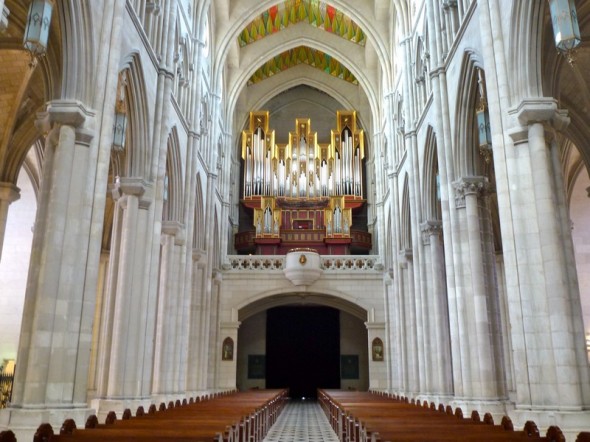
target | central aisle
x=301, y=421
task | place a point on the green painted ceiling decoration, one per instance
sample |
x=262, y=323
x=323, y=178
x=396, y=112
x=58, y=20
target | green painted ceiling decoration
x=299, y=55
x=314, y=12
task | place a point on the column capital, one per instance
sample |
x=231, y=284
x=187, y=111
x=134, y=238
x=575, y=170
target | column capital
x=9, y=192
x=69, y=113
x=430, y=228
x=132, y=186
x=175, y=229
x=542, y=110
x=405, y=255
x=472, y=185
x=199, y=257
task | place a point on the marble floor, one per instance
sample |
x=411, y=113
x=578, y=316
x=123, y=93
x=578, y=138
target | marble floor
x=301, y=421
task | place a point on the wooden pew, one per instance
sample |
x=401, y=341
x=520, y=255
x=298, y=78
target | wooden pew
x=367, y=417
x=239, y=417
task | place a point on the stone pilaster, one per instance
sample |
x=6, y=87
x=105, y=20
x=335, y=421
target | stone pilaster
x=439, y=348
x=227, y=357
x=169, y=322
x=9, y=193
x=479, y=299
x=377, y=365
x=127, y=291
x=54, y=348
x=551, y=368
x=196, y=377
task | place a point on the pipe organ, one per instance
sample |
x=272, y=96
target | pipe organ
x=302, y=194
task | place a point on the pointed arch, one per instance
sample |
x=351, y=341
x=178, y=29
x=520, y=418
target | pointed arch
x=465, y=155
x=139, y=155
x=77, y=33
x=525, y=49
x=431, y=192
x=173, y=195
x=199, y=217
x=406, y=219
x=216, y=252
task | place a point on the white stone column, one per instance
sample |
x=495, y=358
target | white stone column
x=213, y=350
x=439, y=348
x=551, y=363
x=169, y=317
x=101, y=290
x=195, y=369
x=9, y=193
x=129, y=309
x=485, y=380
x=54, y=348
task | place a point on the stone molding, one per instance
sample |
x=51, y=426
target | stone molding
x=541, y=110
x=9, y=192
x=132, y=186
x=475, y=185
x=175, y=229
x=405, y=256
x=68, y=113
x=199, y=257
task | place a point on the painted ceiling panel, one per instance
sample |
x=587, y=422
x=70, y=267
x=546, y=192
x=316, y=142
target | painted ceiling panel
x=314, y=12
x=302, y=55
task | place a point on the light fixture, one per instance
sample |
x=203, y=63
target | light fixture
x=120, y=124
x=588, y=342
x=483, y=121
x=565, y=27
x=37, y=29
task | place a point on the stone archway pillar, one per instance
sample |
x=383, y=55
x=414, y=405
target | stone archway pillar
x=56, y=333
x=228, y=357
x=9, y=193
x=551, y=368
x=377, y=366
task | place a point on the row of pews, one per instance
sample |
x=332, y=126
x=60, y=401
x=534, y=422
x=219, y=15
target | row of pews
x=372, y=417
x=223, y=417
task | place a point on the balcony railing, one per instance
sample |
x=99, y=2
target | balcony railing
x=344, y=263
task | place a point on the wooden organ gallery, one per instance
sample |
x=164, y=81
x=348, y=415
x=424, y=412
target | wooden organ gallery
x=303, y=193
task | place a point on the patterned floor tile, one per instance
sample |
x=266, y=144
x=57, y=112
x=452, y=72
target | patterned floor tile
x=301, y=421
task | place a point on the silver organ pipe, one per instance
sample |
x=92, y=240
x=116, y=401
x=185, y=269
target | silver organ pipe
x=302, y=168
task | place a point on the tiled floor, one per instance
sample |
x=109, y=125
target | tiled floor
x=301, y=421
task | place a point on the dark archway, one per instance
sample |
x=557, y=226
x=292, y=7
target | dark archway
x=303, y=349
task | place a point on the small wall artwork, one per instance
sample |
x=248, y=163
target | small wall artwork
x=377, y=350
x=227, y=350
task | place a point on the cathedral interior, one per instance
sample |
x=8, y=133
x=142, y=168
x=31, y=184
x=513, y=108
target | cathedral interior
x=199, y=196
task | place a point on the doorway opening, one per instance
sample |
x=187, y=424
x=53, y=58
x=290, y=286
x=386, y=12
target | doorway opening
x=303, y=349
